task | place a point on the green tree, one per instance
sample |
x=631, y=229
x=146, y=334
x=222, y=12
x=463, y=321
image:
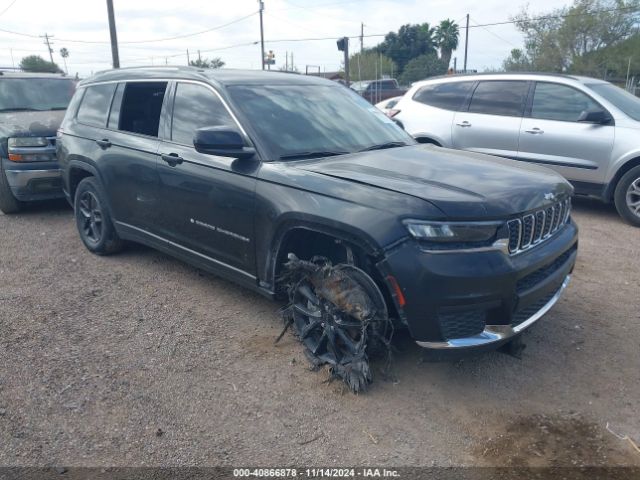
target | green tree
x=555, y=40
x=410, y=42
x=215, y=62
x=447, y=35
x=517, y=62
x=370, y=65
x=35, y=63
x=422, y=67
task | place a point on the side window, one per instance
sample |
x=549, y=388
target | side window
x=388, y=85
x=95, y=105
x=141, y=107
x=502, y=97
x=448, y=96
x=553, y=101
x=114, y=116
x=196, y=106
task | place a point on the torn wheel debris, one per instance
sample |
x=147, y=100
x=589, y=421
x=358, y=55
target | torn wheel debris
x=339, y=314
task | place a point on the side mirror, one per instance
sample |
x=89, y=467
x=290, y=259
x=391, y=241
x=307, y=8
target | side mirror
x=222, y=141
x=594, y=116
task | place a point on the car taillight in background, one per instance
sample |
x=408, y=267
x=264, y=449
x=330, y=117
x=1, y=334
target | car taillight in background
x=392, y=113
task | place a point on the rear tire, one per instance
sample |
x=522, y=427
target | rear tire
x=93, y=219
x=8, y=203
x=627, y=196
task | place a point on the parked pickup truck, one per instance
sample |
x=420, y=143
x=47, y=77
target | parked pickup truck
x=376, y=91
x=31, y=109
x=296, y=187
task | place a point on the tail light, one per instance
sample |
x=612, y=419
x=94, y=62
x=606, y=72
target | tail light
x=392, y=113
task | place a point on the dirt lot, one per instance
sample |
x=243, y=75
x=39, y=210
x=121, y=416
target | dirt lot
x=138, y=359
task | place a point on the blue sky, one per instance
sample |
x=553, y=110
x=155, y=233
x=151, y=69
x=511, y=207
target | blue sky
x=73, y=23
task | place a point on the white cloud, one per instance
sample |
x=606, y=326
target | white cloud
x=283, y=19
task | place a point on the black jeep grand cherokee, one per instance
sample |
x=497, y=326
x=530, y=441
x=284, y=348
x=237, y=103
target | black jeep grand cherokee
x=268, y=177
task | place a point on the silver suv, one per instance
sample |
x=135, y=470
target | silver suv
x=586, y=129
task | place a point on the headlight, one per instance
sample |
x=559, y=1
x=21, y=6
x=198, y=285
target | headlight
x=22, y=142
x=453, y=232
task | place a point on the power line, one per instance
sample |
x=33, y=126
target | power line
x=101, y=42
x=550, y=17
x=495, y=35
x=7, y=7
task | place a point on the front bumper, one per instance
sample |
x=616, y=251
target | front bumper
x=33, y=181
x=459, y=301
x=497, y=334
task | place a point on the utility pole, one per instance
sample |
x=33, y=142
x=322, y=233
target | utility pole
x=293, y=68
x=261, y=3
x=361, y=37
x=286, y=61
x=199, y=58
x=188, y=59
x=466, y=45
x=47, y=42
x=114, y=37
x=13, y=64
x=455, y=64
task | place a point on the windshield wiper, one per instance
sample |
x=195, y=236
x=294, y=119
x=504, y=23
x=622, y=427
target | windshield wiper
x=382, y=146
x=20, y=109
x=318, y=154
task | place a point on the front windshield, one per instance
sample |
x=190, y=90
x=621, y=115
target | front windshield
x=29, y=94
x=297, y=119
x=629, y=104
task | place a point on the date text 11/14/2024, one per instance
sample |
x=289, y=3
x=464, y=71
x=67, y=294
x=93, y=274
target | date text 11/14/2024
x=316, y=472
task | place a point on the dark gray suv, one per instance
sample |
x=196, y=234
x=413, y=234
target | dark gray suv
x=290, y=184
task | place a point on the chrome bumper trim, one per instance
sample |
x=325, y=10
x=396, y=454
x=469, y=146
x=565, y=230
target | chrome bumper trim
x=21, y=178
x=497, y=333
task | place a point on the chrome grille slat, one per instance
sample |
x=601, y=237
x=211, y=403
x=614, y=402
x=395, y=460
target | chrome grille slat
x=536, y=227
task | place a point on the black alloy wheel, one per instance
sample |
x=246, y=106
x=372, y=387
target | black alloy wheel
x=90, y=212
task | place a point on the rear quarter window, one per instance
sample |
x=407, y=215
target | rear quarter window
x=448, y=96
x=95, y=105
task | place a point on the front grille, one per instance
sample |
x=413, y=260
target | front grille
x=536, y=227
x=461, y=324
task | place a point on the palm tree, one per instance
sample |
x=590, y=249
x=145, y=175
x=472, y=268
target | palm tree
x=447, y=35
x=64, y=53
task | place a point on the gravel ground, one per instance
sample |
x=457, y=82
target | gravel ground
x=139, y=359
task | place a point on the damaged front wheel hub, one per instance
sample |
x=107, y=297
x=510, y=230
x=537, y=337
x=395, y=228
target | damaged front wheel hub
x=333, y=309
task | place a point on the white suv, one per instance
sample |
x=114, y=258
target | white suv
x=586, y=129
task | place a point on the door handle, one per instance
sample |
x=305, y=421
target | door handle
x=172, y=159
x=104, y=143
x=464, y=124
x=535, y=131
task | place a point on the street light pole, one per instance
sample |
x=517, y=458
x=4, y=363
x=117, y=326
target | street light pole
x=261, y=3
x=114, y=37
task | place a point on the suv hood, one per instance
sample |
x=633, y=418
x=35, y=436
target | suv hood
x=30, y=124
x=463, y=185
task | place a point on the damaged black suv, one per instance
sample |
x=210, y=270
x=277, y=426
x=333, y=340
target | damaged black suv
x=293, y=185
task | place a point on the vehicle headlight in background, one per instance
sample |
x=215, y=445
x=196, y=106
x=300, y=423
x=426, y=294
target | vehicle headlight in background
x=30, y=149
x=453, y=232
x=26, y=142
